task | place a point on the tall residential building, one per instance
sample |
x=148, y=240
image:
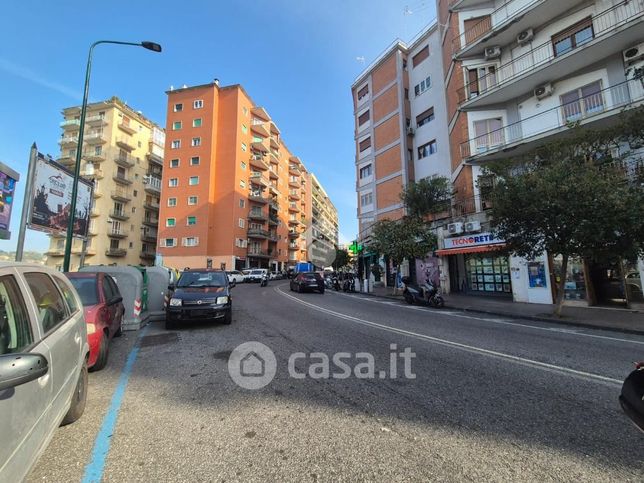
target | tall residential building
x=123, y=155
x=518, y=72
x=233, y=194
x=322, y=237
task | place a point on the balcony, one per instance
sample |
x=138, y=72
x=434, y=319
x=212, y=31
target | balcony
x=259, y=129
x=526, y=134
x=295, y=160
x=294, y=182
x=258, y=233
x=155, y=155
x=124, y=160
x=94, y=213
x=121, y=195
x=125, y=126
x=274, y=157
x=117, y=233
x=274, y=143
x=70, y=124
x=274, y=205
x=272, y=174
x=120, y=215
x=255, y=253
x=151, y=205
x=294, y=195
x=152, y=184
x=55, y=252
x=257, y=215
x=272, y=237
x=293, y=234
x=94, y=138
x=125, y=142
x=273, y=189
x=151, y=222
x=149, y=238
x=259, y=179
x=273, y=220
x=294, y=169
x=257, y=197
x=68, y=141
x=257, y=162
x=123, y=179
x=293, y=221
x=147, y=255
x=612, y=29
x=293, y=246
x=293, y=207
x=115, y=252
x=92, y=173
x=95, y=121
x=261, y=113
x=93, y=157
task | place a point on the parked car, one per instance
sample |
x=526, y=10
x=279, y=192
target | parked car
x=246, y=275
x=235, y=276
x=200, y=294
x=305, y=281
x=257, y=274
x=104, y=311
x=43, y=368
x=275, y=276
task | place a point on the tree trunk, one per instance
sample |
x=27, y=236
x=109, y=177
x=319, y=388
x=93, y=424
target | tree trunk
x=622, y=277
x=562, y=284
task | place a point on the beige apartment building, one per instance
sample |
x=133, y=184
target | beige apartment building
x=322, y=237
x=123, y=156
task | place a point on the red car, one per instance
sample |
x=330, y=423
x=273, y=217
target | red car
x=103, y=307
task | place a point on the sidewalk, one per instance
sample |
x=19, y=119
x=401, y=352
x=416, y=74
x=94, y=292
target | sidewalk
x=622, y=320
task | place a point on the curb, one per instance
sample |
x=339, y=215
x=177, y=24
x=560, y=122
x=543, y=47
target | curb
x=536, y=318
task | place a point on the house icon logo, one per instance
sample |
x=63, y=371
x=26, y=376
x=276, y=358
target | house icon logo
x=252, y=365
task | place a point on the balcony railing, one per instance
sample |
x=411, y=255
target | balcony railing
x=122, y=178
x=603, y=24
x=124, y=160
x=115, y=252
x=505, y=12
x=258, y=178
x=70, y=124
x=94, y=138
x=154, y=222
x=119, y=215
x=258, y=232
x=254, y=252
x=613, y=98
x=117, y=233
x=121, y=195
x=257, y=215
x=152, y=184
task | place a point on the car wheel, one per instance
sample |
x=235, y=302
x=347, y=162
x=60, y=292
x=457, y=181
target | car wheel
x=103, y=353
x=169, y=325
x=119, y=331
x=228, y=318
x=79, y=398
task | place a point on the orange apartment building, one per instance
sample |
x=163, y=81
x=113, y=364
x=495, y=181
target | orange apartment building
x=233, y=195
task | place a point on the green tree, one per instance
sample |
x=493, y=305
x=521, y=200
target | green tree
x=427, y=196
x=342, y=258
x=407, y=238
x=573, y=197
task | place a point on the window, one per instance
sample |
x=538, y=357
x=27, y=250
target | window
x=489, y=133
x=481, y=79
x=573, y=37
x=172, y=202
x=241, y=243
x=196, y=122
x=424, y=85
x=243, y=165
x=169, y=242
x=427, y=149
x=51, y=306
x=198, y=104
x=98, y=150
x=365, y=144
x=173, y=182
x=170, y=222
x=242, y=203
x=242, y=184
x=242, y=223
x=193, y=181
x=191, y=241
x=176, y=144
x=196, y=142
x=366, y=171
x=406, y=93
x=366, y=199
x=257, y=139
x=192, y=221
x=419, y=57
x=581, y=102
x=178, y=107
x=244, y=129
x=15, y=331
x=364, y=117
x=362, y=93
x=176, y=125
x=244, y=147
x=192, y=200
x=174, y=163
x=425, y=117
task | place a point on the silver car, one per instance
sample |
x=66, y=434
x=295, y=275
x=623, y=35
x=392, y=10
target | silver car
x=43, y=368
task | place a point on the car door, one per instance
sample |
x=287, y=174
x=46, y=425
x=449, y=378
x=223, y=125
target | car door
x=61, y=332
x=114, y=305
x=24, y=414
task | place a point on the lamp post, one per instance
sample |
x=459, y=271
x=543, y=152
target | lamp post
x=72, y=212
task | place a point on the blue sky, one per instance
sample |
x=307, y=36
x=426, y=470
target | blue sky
x=297, y=58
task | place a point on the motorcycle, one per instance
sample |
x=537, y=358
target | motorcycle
x=264, y=281
x=336, y=284
x=426, y=294
x=349, y=284
x=631, y=398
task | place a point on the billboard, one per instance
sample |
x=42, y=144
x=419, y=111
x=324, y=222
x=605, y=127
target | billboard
x=8, y=179
x=52, y=200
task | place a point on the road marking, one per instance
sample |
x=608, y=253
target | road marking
x=502, y=322
x=458, y=345
x=96, y=466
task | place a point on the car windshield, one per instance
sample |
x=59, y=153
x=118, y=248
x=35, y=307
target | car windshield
x=257, y=272
x=87, y=289
x=202, y=279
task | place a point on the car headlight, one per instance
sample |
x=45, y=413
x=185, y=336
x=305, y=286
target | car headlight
x=175, y=302
x=222, y=300
x=91, y=328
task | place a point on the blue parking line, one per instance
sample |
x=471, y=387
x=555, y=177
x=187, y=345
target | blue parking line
x=96, y=466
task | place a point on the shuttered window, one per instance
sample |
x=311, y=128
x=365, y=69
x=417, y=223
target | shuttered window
x=366, y=144
x=420, y=56
x=364, y=117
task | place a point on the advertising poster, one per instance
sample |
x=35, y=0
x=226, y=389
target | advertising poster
x=428, y=269
x=52, y=200
x=8, y=179
x=537, y=275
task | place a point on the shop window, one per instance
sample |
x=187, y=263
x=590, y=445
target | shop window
x=486, y=274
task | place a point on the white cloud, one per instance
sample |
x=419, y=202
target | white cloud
x=36, y=78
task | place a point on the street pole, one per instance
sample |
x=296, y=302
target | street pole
x=79, y=150
x=27, y=201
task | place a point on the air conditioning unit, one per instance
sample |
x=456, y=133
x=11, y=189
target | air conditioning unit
x=635, y=71
x=525, y=36
x=636, y=52
x=493, y=52
x=455, y=228
x=473, y=226
x=410, y=131
x=544, y=91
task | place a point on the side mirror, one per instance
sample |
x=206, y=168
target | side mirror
x=171, y=287
x=17, y=369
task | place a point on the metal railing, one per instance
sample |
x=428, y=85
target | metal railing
x=258, y=232
x=603, y=23
x=124, y=160
x=612, y=98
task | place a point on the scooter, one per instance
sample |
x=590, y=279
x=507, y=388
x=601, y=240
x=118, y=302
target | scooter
x=631, y=398
x=424, y=294
x=349, y=284
x=264, y=281
x=336, y=284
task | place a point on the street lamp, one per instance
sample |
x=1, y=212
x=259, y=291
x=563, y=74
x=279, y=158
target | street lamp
x=72, y=212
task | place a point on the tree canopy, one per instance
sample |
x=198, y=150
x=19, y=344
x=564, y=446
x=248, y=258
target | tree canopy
x=427, y=196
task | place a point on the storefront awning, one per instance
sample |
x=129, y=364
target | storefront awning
x=477, y=249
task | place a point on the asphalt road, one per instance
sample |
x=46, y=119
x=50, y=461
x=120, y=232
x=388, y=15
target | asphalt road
x=492, y=398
